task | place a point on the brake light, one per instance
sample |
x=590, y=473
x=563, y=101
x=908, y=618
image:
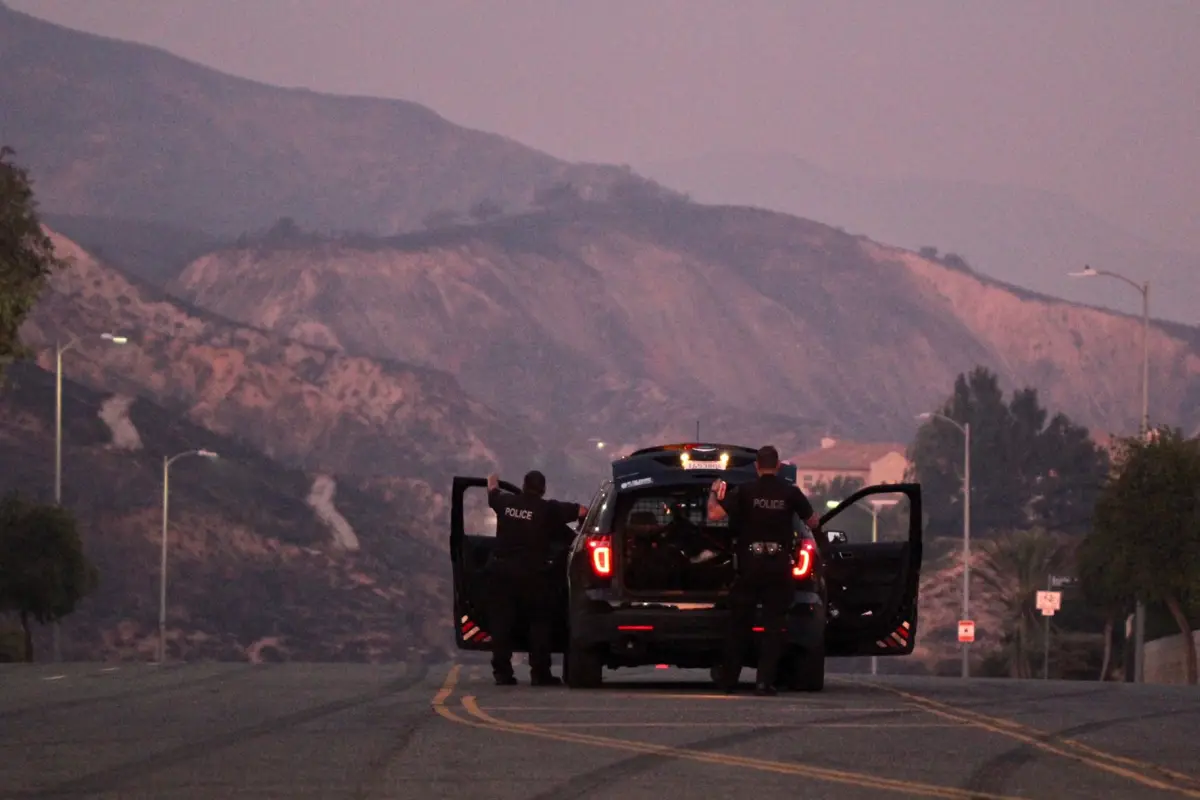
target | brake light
x=600, y=554
x=804, y=560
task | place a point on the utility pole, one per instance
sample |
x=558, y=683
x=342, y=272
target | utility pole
x=59, y=350
x=162, y=575
x=966, y=653
x=1139, y=612
x=965, y=427
x=1046, y=635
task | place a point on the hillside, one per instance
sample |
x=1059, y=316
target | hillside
x=619, y=320
x=111, y=128
x=255, y=574
x=152, y=251
x=302, y=405
x=1023, y=236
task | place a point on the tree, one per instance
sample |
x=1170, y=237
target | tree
x=1147, y=525
x=1024, y=472
x=1103, y=569
x=955, y=261
x=27, y=256
x=562, y=193
x=485, y=209
x=1016, y=567
x=284, y=229
x=440, y=218
x=43, y=570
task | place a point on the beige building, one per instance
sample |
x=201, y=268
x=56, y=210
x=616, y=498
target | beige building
x=871, y=462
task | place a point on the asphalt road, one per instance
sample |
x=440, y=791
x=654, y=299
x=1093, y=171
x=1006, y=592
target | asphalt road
x=354, y=731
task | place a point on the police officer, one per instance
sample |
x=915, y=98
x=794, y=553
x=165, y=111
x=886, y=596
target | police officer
x=760, y=515
x=520, y=573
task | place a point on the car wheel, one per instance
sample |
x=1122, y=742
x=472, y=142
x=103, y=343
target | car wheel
x=583, y=667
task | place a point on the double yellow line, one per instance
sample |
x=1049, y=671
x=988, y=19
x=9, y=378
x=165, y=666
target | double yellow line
x=1184, y=784
x=478, y=718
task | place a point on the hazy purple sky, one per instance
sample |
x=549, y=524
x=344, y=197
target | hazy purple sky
x=1096, y=98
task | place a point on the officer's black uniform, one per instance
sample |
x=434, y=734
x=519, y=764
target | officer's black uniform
x=519, y=574
x=760, y=516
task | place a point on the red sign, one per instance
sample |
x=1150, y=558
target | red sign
x=966, y=630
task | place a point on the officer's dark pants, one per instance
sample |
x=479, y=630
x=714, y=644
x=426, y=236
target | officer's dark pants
x=761, y=579
x=519, y=592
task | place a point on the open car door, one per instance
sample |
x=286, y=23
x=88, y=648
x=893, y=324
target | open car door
x=469, y=554
x=871, y=587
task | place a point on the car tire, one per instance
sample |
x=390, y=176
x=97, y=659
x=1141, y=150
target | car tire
x=583, y=667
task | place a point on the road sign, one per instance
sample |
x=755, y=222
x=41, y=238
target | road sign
x=966, y=630
x=1057, y=581
x=1049, y=602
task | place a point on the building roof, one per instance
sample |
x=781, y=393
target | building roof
x=834, y=455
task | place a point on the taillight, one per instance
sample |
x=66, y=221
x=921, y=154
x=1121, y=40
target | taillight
x=600, y=555
x=804, y=560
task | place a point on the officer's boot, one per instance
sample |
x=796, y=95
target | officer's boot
x=502, y=672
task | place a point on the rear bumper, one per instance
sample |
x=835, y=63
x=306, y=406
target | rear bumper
x=643, y=632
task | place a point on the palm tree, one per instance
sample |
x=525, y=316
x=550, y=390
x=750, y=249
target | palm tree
x=1015, y=567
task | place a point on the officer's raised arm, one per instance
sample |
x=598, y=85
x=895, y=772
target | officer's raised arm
x=569, y=512
x=804, y=510
x=493, y=491
x=721, y=500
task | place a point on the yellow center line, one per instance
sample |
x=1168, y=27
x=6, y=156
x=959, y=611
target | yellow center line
x=439, y=699
x=1070, y=749
x=781, y=707
x=484, y=721
x=723, y=759
x=710, y=724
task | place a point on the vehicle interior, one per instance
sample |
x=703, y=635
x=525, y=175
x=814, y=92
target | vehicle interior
x=668, y=543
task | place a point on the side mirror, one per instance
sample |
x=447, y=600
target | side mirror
x=837, y=537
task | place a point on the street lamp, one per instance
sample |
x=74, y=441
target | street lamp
x=162, y=577
x=874, y=507
x=1139, y=614
x=966, y=590
x=59, y=350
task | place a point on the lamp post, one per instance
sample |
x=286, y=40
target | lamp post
x=162, y=577
x=59, y=350
x=1139, y=613
x=874, y=507
x=965, y=427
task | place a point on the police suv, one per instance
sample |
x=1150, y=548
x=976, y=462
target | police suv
x=645, y=577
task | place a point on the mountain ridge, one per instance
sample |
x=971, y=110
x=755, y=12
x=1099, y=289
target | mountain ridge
x=111, y=127
x=1024, y=235
x=869, y=313
x=300, y=403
